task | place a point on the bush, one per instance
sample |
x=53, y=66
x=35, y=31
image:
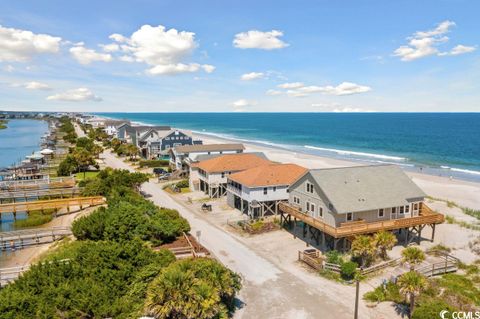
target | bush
x=431, y=309
x=183, y=184
x=334, y=257
x=391, y=292
x=68, y=166
x=348, y=270
x=153, y=163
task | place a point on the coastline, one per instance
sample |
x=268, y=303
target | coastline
x=466, y=193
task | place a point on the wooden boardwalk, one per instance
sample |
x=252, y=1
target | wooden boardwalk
x=18, y=239
x=16, y=185
x=52, y=204
x=26, y=195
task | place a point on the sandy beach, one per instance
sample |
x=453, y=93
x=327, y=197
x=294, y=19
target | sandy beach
x=464, y=193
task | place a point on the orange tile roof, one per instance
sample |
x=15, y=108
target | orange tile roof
x=269, y=175
x=232, y=163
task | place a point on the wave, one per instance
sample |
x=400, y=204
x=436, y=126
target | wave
x=363, y=154
x=461, y=170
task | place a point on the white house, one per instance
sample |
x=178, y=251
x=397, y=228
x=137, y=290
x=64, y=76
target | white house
x=258, y=190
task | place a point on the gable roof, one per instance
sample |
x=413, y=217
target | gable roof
x=232, y=162
x=116, y=123
x=161, y=133
x=362, y=188
x=208, y=148
x=269, y=175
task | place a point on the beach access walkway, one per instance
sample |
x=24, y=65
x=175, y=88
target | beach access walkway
x=56, y=204
x=18, y=239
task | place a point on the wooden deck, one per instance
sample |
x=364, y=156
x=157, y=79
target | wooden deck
x=426, y=217
x=26, y=195
x=59, y=182
x=52, y=204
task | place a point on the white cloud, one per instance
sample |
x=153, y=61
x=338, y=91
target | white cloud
x=8, y=68
x=75, y=95
x=252, y=76
x=425, y=43
x=241, y=104
x=292, y=85
x=86, y=56
x=170, y=69
x=163, y=50
x=112, y=47
x=273, y=92
x=255, y=39
x=459, y=49
x=33, y=85
x=338, y=108
x=21, y=45
x=298, y=89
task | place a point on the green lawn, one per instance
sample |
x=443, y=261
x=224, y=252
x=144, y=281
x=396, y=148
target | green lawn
x=79, y=176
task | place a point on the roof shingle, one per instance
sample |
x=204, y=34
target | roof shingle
x=269, y=175
x=232, y=163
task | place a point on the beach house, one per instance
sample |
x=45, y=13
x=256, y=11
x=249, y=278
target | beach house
x=339, y=203
x=258, y=191
x=210, y=175
x=110, y=126
x=128, y=133
x=182, y=156
x=153, y=142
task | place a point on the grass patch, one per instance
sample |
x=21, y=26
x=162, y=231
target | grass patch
x=390, y=292
x=153, y=163
x=35, y=218
x=80, y=177
x=451, y=204
x=330, y=275
x=452, y=220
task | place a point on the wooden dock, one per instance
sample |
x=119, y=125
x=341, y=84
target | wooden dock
x=40, y=205
x=18, y=239
x=28, y=195
x=32, y=184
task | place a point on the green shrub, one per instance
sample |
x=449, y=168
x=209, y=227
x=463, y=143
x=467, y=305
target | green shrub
x=348, y=270
x=183, y=184
x=153, y=163
x=334, y=257
x=391, y=292
x=34, y=219
x=431, y=309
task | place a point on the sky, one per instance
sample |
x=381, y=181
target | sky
x=240, y=56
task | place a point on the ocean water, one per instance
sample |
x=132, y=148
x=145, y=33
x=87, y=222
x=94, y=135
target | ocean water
x=20, y=138
x=440, y=143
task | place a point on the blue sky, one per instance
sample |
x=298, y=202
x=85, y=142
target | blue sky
x=186, y=56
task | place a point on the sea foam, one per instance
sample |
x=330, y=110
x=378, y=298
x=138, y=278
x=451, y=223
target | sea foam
x=363, y=154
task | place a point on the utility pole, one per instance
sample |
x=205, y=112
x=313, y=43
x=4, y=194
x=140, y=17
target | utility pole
x=357, y=292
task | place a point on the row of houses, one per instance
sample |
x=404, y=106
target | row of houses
x=335, y=202
x=152, y=141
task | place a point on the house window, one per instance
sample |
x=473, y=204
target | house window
x=274, y=188
x=312, y=208
x=415, y=206
x=223, y=174
x=380, y=213
x=401, y=210
x=309, y=187
x=349, y=217
x=296, y=200
x=407, y=209
x=394, y=210
x=320, y=211
x=265, y=191
x=308, y=206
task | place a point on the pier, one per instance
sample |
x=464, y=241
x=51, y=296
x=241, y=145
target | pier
x=18, y=239
x=56, y=204
x=28, y=195
x=18, y=185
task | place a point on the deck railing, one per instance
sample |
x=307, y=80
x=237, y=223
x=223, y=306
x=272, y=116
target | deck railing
x=51, y=204
x=427, y=216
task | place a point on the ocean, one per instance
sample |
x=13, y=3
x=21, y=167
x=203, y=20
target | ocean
x=20, y=138
x=445, y=144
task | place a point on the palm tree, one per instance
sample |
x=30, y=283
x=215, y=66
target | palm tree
x=363, y=247
x=413, y=256
x=132, y=151
x=411, y=284
x=384, y=241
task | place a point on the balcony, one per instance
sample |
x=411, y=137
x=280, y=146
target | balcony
x=426, y=217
